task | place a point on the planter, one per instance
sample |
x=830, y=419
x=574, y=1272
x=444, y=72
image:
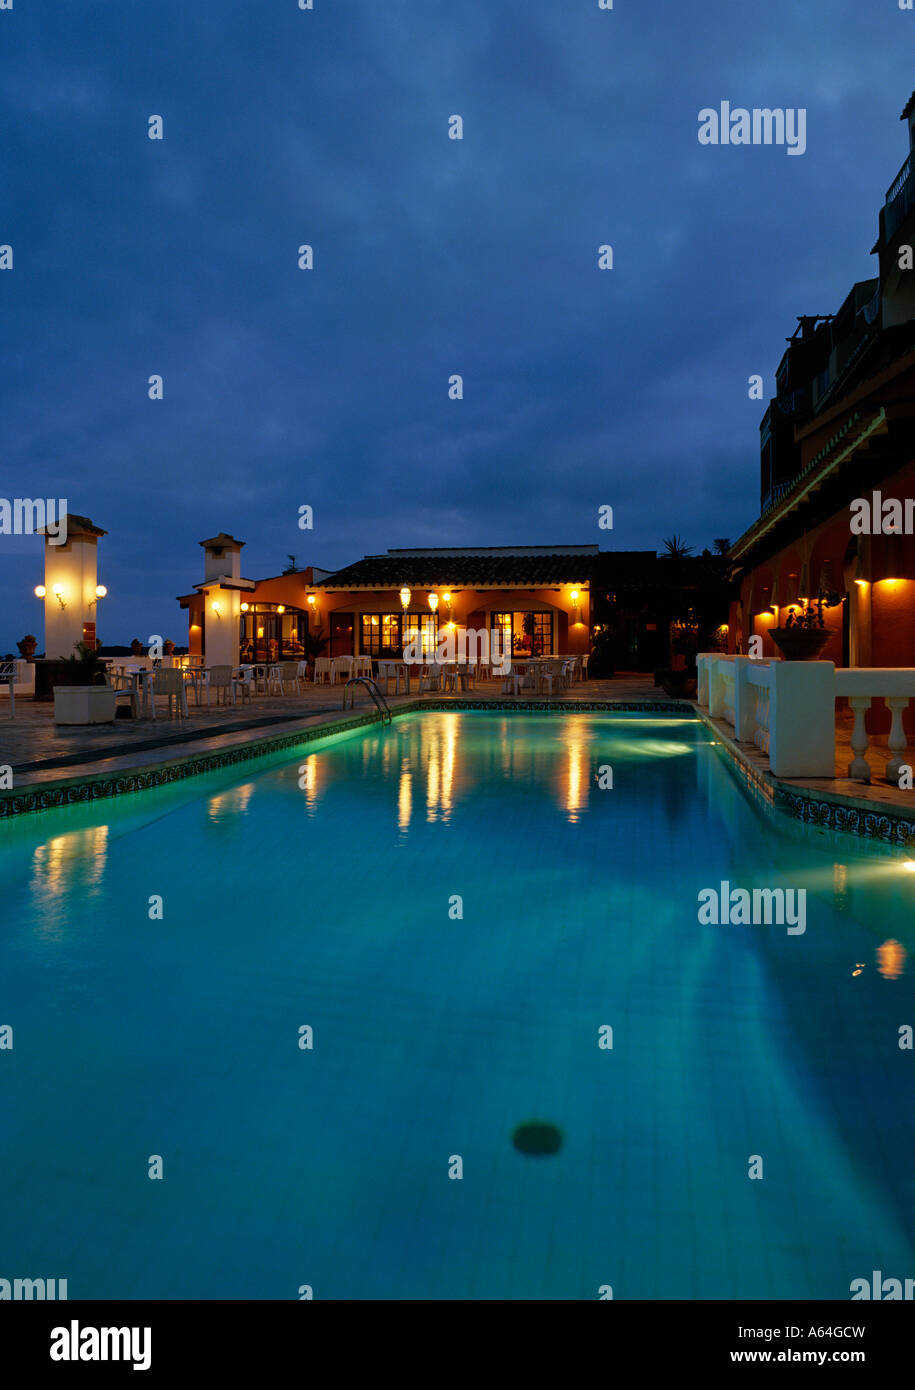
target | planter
x=684, y=689
x=84, y=704
x=800, y=643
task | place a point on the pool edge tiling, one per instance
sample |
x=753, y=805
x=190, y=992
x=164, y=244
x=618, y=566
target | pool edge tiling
x=831, y=810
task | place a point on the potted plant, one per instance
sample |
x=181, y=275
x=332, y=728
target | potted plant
x=314, y=645
x=805, y=633
x=137, y=648
x=168, y=647
x=27, y=647
x=602, y=663
x=84, y=697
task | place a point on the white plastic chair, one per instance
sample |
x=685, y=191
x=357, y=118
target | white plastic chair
x=171, y=684
x=323, y=666
x=342, y=669
x=386, y=673
x=549, y=675
x=219, y=678
x=430, y=678
x=8, y=674
x=362, y=666
x=243, y=679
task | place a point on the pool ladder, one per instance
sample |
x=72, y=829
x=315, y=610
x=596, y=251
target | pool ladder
x=381, y=703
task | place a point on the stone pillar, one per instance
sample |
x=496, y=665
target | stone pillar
x=70, y=579
x=221, y=588
x=802, y=724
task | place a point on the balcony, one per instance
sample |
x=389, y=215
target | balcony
x=900, y=197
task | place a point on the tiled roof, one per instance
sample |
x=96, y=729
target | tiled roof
x=222, y=541
x=78, y=525
x=508, y=567
x=491, y=568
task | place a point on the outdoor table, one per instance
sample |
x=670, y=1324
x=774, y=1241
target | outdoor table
x=386, y=669
x=195, y=677
x=455, y=671
x=141, y=682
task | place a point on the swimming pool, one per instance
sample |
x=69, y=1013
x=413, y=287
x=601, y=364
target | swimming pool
x=321, y=889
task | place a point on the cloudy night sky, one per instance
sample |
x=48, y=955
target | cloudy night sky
x=432, y=257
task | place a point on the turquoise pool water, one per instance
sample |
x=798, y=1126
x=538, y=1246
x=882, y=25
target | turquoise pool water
x=434, y=1036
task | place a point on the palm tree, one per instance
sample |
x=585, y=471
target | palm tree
x=675, y=548
x=722, y=545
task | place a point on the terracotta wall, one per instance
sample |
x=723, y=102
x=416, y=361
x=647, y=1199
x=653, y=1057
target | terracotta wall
x=882, y=611
x=472, y=607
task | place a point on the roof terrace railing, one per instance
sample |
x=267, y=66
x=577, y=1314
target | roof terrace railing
x=900, y=195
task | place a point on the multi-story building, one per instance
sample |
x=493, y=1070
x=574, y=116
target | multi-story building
x=839, y=434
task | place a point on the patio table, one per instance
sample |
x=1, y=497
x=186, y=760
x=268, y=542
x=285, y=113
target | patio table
x=394, y=669
x=141, y=682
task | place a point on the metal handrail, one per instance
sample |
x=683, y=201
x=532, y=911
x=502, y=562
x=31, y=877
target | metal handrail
x=381, y=703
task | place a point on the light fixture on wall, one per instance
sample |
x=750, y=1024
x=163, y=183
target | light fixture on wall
x=281, y=608
x=100, y=592
x=891, y=566
x=575, y=596
x=58, y=592
x=40, y=591
x=217, y=607
x=405, y=598
x=245, y=607
x=433, y=602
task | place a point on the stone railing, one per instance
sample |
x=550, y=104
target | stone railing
x=25, y=680
x=787, y=709
x=896, y=686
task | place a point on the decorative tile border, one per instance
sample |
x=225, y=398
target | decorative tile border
x=892, y=829
x=835, y=812
x=43, y=798
x=103, y=786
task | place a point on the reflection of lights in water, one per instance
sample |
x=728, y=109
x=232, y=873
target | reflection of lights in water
x=840, y=884
x=440, y=764
x=311, y=781
x=404, y=800
x=909, y=865
x=576, y=782
x=432, y=780
x=448, y=757
x=650, y=747
x=891, y=958
x=225, y=805
x=69, y=862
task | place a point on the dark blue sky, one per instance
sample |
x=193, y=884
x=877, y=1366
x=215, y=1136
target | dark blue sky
x=433, y=256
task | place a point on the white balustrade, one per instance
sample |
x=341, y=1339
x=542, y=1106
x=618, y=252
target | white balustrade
x=895, y=685
x=787, y=710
